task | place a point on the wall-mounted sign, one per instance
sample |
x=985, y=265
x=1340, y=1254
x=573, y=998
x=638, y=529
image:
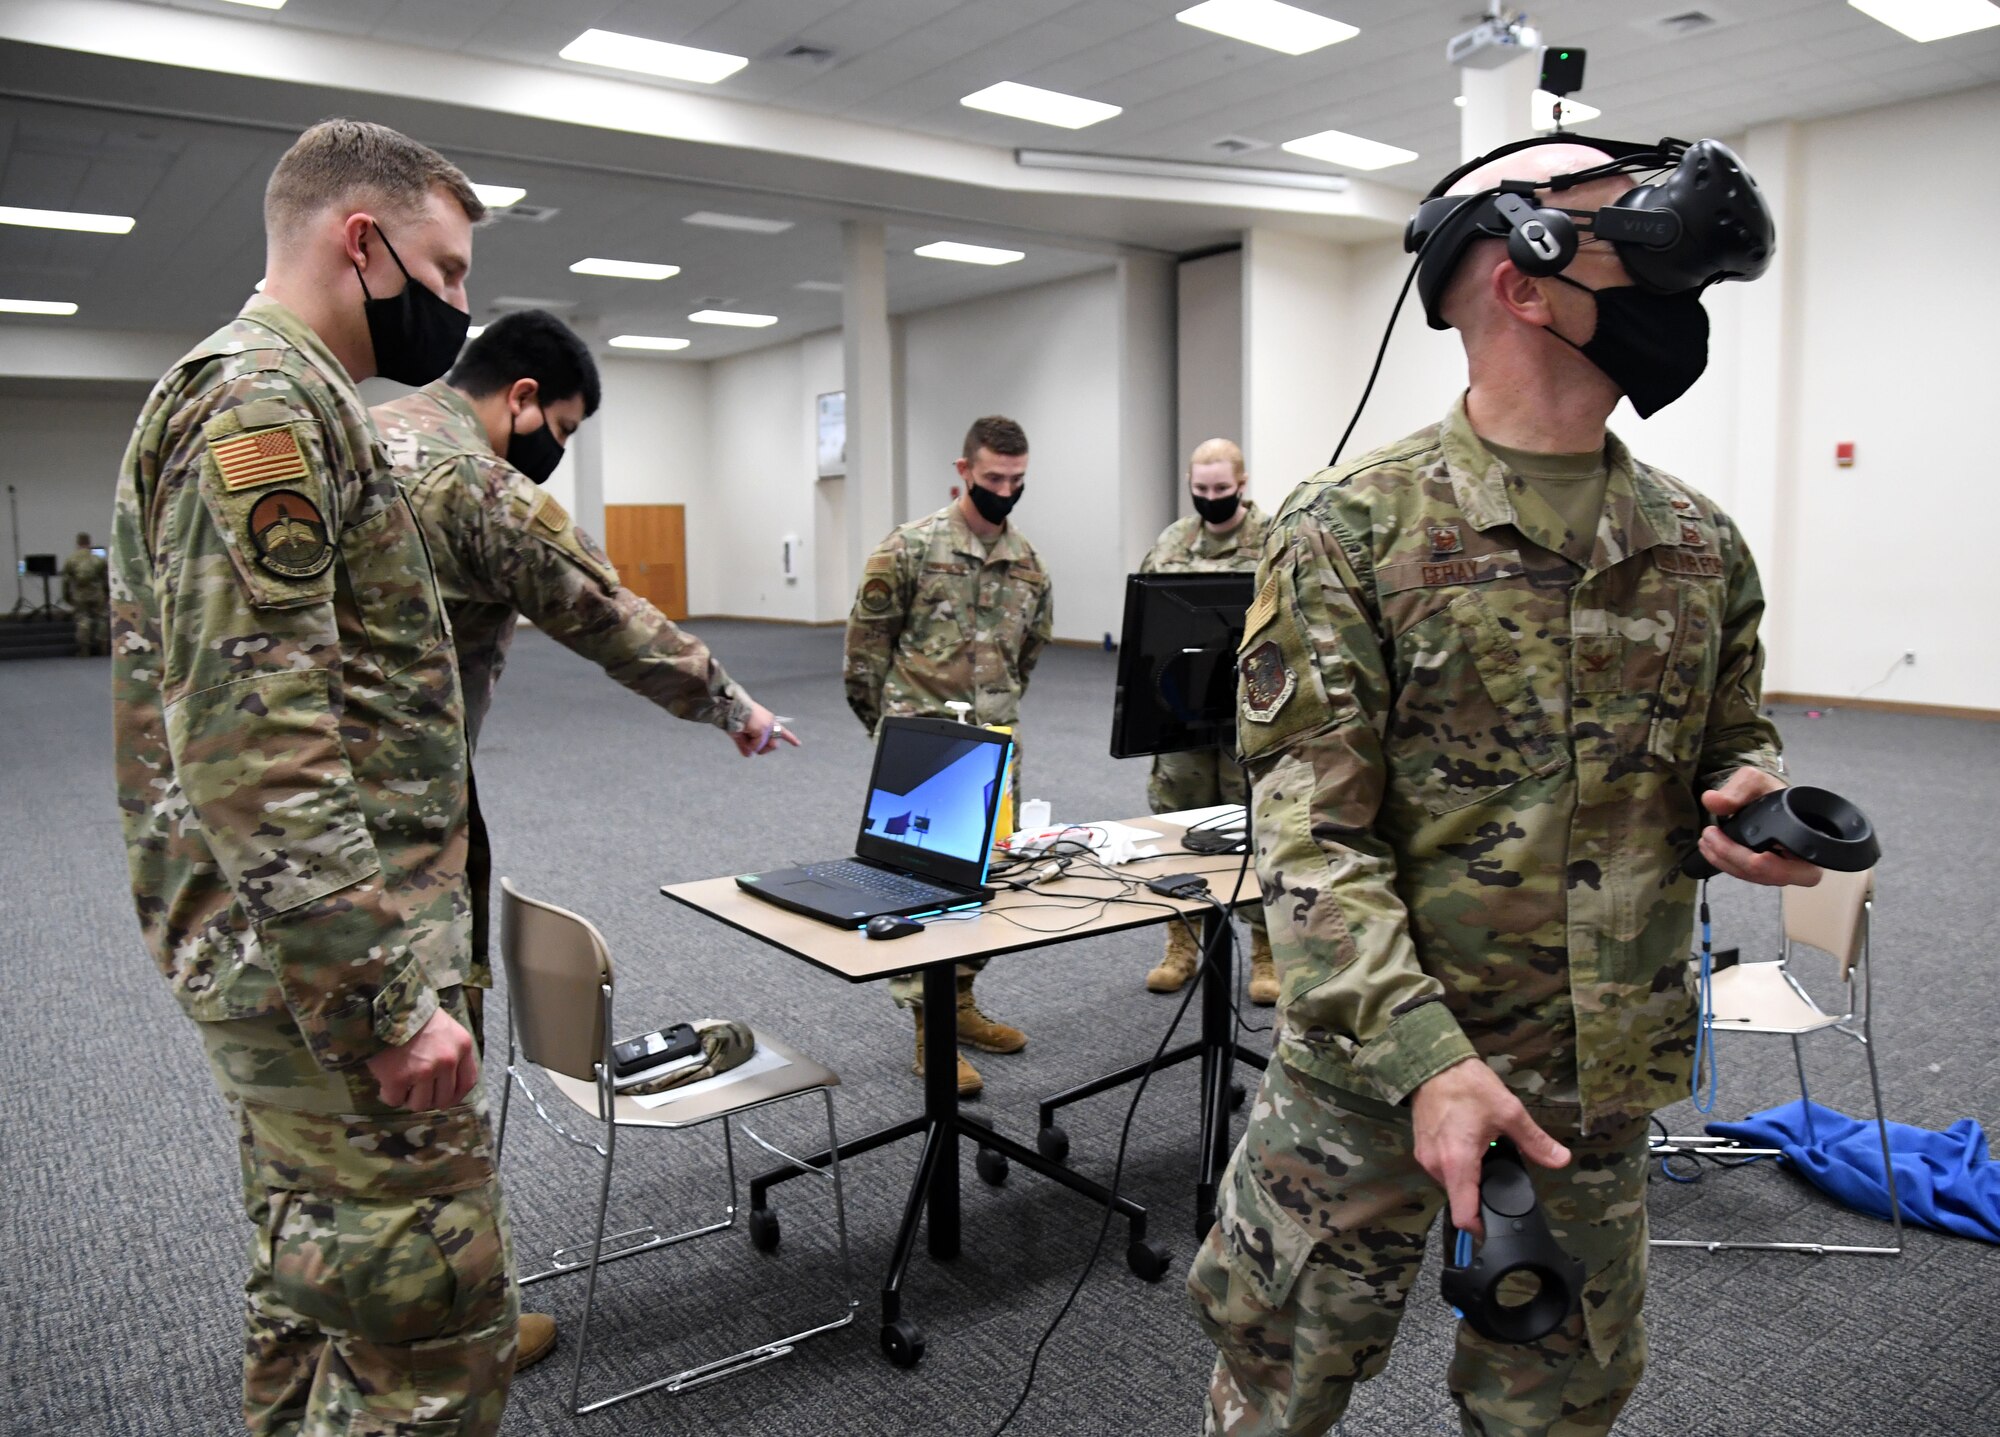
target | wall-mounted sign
x=832, y=431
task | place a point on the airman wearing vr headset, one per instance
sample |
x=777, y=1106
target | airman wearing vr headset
x=1493, y=674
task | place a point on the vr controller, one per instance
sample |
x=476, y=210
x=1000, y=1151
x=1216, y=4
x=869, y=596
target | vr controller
x=1518, y=1240
x=1810, y=823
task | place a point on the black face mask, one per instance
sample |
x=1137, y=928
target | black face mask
x=416, y=334
x=1217, y=511
x=994, y=508
x=535, y=453
x=1652, y=346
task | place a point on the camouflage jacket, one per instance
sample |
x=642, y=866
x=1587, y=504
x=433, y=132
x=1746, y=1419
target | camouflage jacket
x=290, y=741
x=1187, y=547
x=503, y=547
x=86, y=581
x=940, y=617
x=1476, y=742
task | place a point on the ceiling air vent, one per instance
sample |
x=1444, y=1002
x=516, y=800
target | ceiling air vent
x=802, y=53
x=529, y=214
x=1237, y=145
x=717, y=301
x=1680, y=24
x=514, y=301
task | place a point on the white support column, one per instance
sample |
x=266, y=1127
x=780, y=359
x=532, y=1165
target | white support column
x=1148, y=469
x=869, y=489
x=1768, y=316
x=1298, y=327
x=585, y=459
x=1498, y=103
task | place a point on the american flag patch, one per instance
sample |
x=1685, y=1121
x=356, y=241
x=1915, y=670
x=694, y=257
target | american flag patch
x=263, y=457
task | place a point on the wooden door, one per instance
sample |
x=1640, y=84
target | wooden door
x=648, y=544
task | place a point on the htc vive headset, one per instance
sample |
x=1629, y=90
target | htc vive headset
x=1701, y=221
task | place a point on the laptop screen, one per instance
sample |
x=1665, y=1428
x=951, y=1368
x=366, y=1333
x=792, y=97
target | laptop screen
x=932, y=797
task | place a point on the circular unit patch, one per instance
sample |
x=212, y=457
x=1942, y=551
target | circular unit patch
x=288, y=535
x=876, y=595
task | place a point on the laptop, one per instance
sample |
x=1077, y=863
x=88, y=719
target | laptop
x=926, y=831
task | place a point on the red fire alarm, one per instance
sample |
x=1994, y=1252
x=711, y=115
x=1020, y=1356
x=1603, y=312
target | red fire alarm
x=1843, y=454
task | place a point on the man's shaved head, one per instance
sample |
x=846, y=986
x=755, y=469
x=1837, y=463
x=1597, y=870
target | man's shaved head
x=1467, y=298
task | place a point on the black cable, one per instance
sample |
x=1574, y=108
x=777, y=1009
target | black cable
x=1117, y=1178
x=1381, y=350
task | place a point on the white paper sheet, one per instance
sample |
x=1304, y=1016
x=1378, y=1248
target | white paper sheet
x=763, y=1060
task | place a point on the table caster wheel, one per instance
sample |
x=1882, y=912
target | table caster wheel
x=764, y=1231
x=903, y=1342
x=1147, y=1262
x=1052, y=1143
x=1236, y=1096
x=991, y=1166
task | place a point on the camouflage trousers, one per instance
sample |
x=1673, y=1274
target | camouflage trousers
x=1322, y=1222
x=93, y=631
x=381, y=1299
x=907, y=989
x=1201, y=778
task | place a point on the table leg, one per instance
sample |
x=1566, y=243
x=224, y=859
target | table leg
x=1218, y=1040
x=941, y=1104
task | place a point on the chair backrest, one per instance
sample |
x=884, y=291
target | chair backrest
x=556, y=963
x=1831, y=915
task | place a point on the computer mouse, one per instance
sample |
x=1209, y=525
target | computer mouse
x=887, y=925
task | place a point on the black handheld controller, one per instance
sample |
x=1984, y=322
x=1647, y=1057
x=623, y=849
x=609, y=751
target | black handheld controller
x=1517, y=1240
x=1810, y=823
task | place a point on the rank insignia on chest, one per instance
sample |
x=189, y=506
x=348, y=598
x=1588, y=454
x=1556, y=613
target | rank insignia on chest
x=1445, y=539
x=288, y=535
x=1692, y=537
x=1266, y=682
x=1684, y=506
x=246, y=460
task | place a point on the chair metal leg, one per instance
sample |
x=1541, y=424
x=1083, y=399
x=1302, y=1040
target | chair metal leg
x=1805, y=1097
x=596, y=1251
x=1888, y=1166
x=506, y=1088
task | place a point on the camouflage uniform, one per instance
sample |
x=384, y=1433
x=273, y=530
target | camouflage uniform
x=503, y=547
x=1203, y=778
x=87, y=590
x=291, y=771
x=942, y=616
x=1476, y=741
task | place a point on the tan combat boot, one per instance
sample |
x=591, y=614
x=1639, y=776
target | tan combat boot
x=982, y=1032
x=534, y=1339
x=1183, y=957
x=969, y=1081
x=1263, y=976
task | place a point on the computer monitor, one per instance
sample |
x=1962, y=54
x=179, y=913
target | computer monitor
x=42, y=564
x=932, y=798
x=1177, y=662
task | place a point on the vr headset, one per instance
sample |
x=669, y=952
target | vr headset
x=1702, y=221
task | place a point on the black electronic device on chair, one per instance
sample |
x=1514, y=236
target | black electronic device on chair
x=1820, y=827
x=1518, y=1240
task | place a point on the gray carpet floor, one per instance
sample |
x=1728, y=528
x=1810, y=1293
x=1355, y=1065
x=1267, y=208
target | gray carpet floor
x=121, y=1245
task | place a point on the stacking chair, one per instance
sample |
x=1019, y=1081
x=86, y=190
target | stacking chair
x=559, y=989
x=1833, y=917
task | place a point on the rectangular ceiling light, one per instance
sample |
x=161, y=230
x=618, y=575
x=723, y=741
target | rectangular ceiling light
x=498, y=197
x=821, y=286
x=748, y=224
x=968, y=253
x=733, y=316
x=1337, y=147
x=261, y=4
x=36, y=306
x=625, y=269
x=1927, y=20
x=646, y=341
x=66, y=220
x=473, y=331
x=1284, y=28
x=1044, y=107
x=651, y=57
x=1543, y=111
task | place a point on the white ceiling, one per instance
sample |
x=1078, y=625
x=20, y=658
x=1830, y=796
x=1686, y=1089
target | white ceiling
x=196, y=189
x=905, y=63
x=123, y=138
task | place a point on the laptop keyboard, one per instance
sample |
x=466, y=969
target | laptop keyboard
x=893, y=886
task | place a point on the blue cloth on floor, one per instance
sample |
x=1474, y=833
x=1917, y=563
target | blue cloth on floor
x=1945, y=1181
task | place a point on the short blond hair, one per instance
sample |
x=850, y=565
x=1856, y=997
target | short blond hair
x=354, y=162
x=1217, y=451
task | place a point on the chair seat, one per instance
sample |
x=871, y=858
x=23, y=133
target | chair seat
x=799, y=1075
x=1756, y=998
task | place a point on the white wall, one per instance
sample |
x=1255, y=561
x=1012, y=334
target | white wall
x=1209, y=386
x=1049, y=358
x=62, y=453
